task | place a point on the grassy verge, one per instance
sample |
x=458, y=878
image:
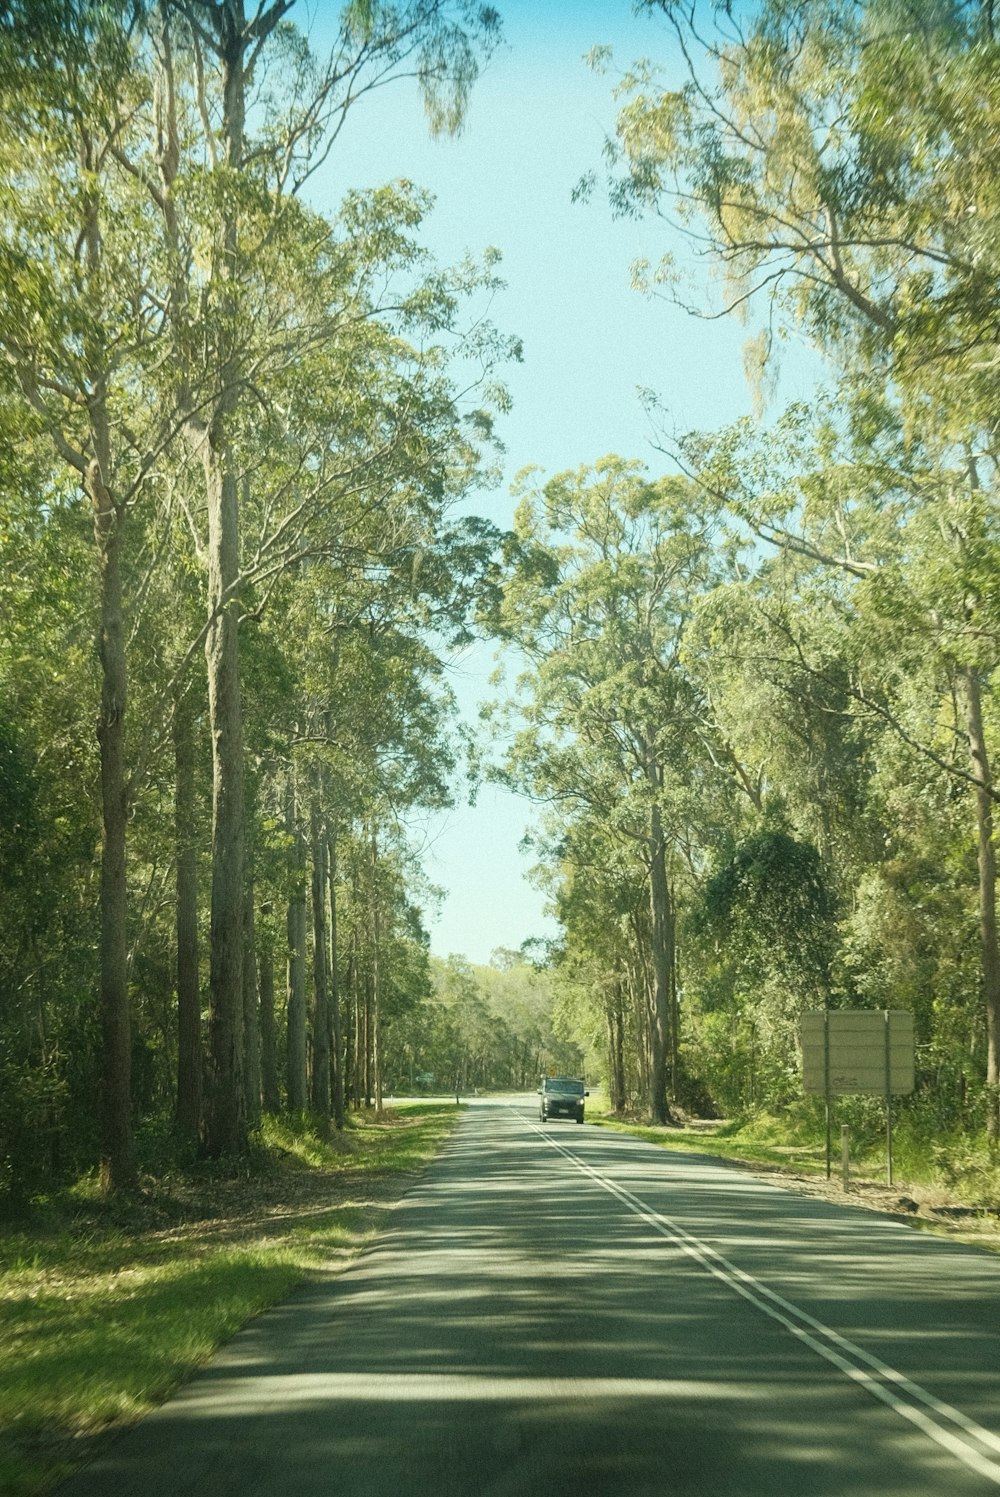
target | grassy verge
x=104, y=1312
x=953, y=1169
x=757, y=1142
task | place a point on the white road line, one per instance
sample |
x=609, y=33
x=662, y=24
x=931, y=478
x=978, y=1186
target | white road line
x=833, y=1347
x=240, y=1394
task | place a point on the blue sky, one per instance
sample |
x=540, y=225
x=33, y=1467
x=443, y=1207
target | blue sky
x=537, y=123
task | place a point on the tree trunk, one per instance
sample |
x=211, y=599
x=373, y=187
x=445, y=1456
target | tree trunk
x=675, y=1003
x=225, y=1123
x=376, y=1009
x=337, y=1077
x=987, y=895
x=376, y=1031
x=609, y=1020
x=616, y=1049
x=367, y=1035
x=660, y=913
x=251, y=1015
x=321, y=1013
x=296, y=1081
x=639, y=988
x=117, y=1163
x=189, y=1057
x=268, y=1038
x=351, y=1048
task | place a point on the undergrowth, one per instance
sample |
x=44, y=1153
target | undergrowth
x=924, y=1154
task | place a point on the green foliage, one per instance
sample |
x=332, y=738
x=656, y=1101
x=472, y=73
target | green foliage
x=32, y=1117
x=770, y=904
x=834, y=162
x=605, y=569
x=189, y=294
x=794, y=1139
x=47, y=1039
x=484, y=1029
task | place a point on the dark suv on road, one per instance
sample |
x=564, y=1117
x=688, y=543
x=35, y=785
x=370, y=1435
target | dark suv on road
x=561, y=1097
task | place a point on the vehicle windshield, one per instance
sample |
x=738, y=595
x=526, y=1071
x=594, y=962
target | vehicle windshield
x=565, y=1085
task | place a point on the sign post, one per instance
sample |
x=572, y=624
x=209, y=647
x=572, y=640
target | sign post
x=860, y=1051
x=887, y=1068
x=826, y=1083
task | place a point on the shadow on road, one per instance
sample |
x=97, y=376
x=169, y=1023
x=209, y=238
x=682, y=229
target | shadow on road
x=517, y=1331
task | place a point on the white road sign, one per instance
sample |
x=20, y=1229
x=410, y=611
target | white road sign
x=862, y=1051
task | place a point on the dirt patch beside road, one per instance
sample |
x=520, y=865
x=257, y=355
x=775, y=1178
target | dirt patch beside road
x=922, y=1205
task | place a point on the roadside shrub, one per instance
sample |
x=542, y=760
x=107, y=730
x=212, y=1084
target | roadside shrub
x=968, y=1167
x=32, y=1099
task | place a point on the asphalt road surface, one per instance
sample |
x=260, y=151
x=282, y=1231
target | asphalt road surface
x=561, y=1311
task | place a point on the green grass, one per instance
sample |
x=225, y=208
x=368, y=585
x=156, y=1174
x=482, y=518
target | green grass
x=103, y=1313
x=964, y=1169
x=752, y=1145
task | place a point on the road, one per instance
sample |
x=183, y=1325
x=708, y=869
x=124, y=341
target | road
x=562, y=1311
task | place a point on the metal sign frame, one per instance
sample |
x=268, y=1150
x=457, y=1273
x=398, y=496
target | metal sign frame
x=867, y=1052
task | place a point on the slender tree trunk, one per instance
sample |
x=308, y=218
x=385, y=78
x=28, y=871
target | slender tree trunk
x=376, y=1013
x=117, y=1163
x=251, y=1015
x=321, y=1013
x=609, y=1020
x=376, y=1031
x=368, y=1034
x=337, y=1076
x=987, y=895
x=296, y=1082
x=377, y=1036
x=639, y=990
x=189, y=1056
x=357, y=1042
x=660, y=913
x=675, y=1005
x=268, y=1037
x=620, y=1084
x=616, y=1049
x=351, y=1074
x=225, y=1124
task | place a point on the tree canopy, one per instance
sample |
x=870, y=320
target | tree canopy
x=751, y=693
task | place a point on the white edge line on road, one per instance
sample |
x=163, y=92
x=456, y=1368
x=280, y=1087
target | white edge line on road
x=797, y=1320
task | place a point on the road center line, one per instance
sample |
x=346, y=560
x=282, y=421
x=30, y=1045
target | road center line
x=883, y=1382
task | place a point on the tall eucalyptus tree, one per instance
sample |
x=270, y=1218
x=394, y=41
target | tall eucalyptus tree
x=835, y=161
x=261, y=296
x=605, y=572
x=81, y=327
